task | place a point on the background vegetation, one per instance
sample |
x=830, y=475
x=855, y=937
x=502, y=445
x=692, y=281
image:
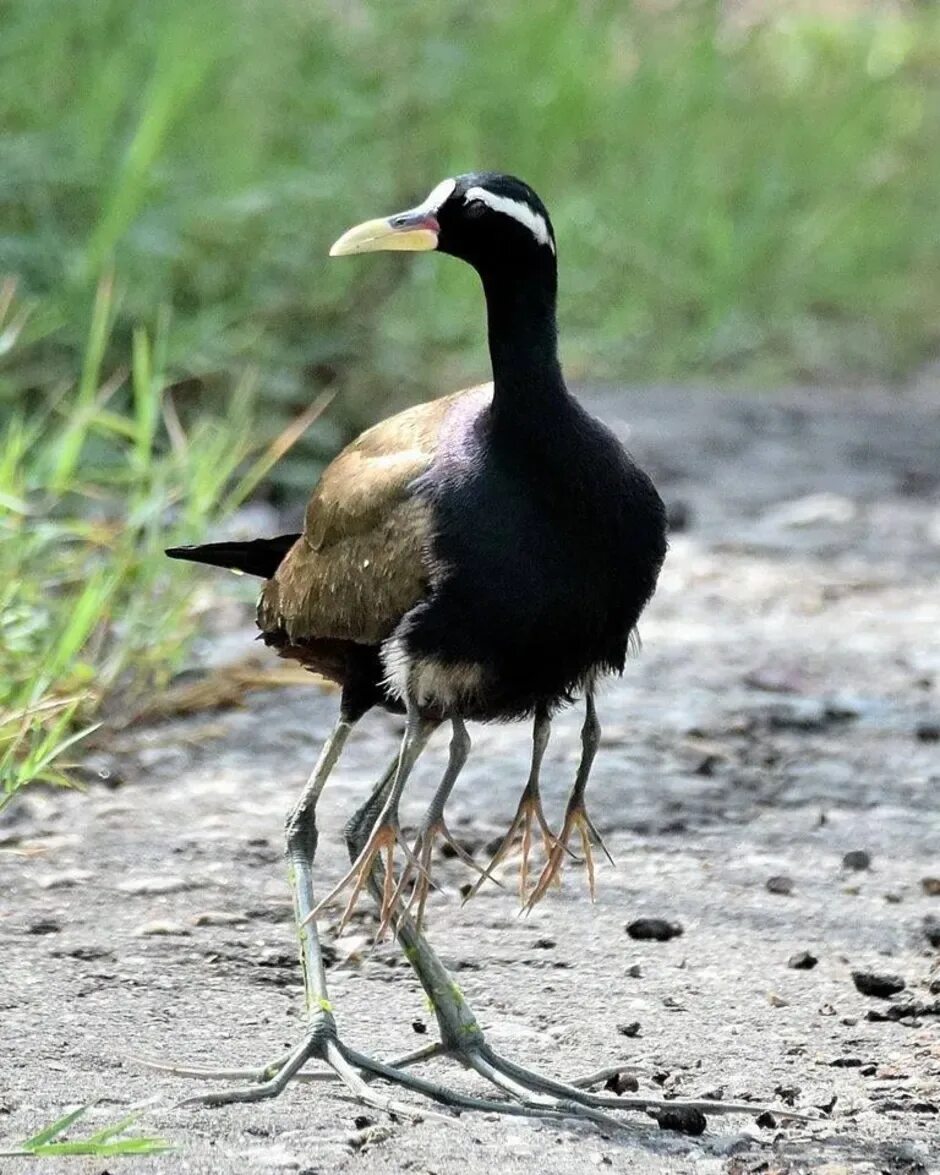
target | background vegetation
x=732, y=200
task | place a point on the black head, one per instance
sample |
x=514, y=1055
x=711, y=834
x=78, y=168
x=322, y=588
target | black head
x=485, y=218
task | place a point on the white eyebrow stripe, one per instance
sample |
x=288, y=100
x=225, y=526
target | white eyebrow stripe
x=525, y=215
x=438, y=196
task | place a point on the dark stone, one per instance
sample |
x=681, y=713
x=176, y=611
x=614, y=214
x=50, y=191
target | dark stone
x=766, y=1121
x=879, y=986
x=803, y=961
x=682, y=1120
x=779, y=885
x=930, y=886
x=655, y=929
x=932, y=930
x=904, y=1012
x=857, y=859
x=419, y=1026
x=44, y=926
x=620, y=1083
x=928, y=732
x=544, y=944
x=678, y=515
x=631, y=1029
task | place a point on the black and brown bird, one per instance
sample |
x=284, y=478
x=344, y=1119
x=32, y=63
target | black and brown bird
x=483, y=556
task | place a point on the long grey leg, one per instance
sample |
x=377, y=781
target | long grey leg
x=385, y=834
x=576, y=814
x=529, y=811
x=434, y=825
x=301, y=832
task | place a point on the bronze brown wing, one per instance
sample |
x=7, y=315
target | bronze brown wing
x=361, y=562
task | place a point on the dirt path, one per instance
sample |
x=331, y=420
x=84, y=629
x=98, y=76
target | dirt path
x=784, y=712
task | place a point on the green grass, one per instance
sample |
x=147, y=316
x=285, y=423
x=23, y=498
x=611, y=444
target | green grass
x=109, y=1142
x=729, y=204
x=93, y=486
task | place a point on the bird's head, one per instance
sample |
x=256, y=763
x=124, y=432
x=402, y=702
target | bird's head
x=484, y=218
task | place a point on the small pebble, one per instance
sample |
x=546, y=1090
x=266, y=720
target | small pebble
x=621, y=1083
x=803, y=961
x=218, y=918
x=928, y=732
x=779, y=885
x=766, y=1121
x=930, y=886
x=419, y=1026
x=678, y=515
x=155, y=929
x=65, y=879
x=681, y=1119
x=656, y=929
x=932, y=930
x=777, y=1001
x=880, y=986
x=857, y=859
x=544, y=944
x=44, y=926
x=631, y=1029
x=634, y=971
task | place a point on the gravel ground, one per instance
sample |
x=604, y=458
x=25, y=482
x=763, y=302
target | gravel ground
x=784, y=713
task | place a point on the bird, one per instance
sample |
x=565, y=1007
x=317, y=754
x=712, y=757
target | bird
x=484, y=556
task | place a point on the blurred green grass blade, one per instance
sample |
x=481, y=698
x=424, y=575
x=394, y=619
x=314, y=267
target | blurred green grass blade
x=73, y=437
x=145, y=400
x=187, y=51
x=103, y=1143
x=55, y=1128
x=278, y=448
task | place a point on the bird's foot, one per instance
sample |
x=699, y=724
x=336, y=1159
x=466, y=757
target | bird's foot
x=528, y=815
x=382, y=842
x=320, y=1043
x=417, y=872
x=522, y=1092
x=576, y=820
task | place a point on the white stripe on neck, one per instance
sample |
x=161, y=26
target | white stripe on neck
x=532, y=220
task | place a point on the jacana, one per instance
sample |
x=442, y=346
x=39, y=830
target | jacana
x=485, y=556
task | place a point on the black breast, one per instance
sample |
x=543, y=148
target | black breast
x=546, y=549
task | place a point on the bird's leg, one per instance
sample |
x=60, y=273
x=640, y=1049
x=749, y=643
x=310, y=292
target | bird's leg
x=462, y=1038
x=386, y=833
x=320, y=1038
x=434, y=825
x=576, y=814
x=528, y=811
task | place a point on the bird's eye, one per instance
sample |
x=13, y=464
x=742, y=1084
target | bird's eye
x=475, y=209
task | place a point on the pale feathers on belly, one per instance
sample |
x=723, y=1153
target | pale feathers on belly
x=433, y=682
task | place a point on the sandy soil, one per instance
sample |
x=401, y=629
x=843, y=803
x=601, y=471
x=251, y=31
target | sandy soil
x=784, y=712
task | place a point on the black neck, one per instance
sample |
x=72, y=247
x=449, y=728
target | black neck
x=523, y=339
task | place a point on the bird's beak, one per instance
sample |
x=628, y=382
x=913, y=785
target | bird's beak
x=413, y=232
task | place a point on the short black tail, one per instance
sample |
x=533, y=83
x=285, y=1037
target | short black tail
x=260, y=557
